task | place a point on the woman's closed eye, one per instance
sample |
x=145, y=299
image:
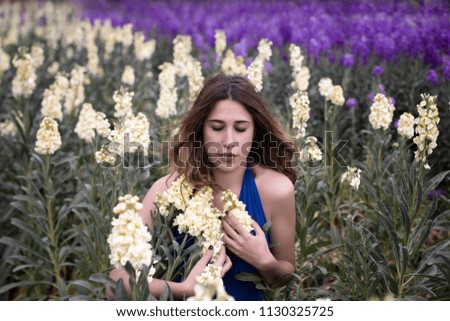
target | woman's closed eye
x=241, y=130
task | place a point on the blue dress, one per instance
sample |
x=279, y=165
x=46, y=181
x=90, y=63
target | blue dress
x=246, y=290
x=241, y=290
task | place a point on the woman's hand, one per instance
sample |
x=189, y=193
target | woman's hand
x=251, y=248
x=223, y=260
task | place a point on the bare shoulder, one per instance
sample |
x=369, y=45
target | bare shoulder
x=164, y=182
x=273, y=183
x=276, y=192
x=161, y=185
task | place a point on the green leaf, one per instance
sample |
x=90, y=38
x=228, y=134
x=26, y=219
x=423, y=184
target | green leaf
x=250, y=277
x=266, y=226
x=102, y=278
x=83, y=284
x=385, y=219
x=11, y=286
x=434, y=182
x=16, y=244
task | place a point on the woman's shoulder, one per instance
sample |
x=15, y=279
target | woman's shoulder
x=159, y=186
x=163, y=183
x=276, y=192
x=272, y=183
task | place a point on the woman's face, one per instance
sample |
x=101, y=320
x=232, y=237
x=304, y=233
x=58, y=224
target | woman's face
x=228, y=133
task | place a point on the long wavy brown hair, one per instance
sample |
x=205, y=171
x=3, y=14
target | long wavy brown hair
x=271, y=146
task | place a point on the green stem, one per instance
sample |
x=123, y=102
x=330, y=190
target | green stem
x=379, y=169
x=177, y=259
x=352, y=152
x=51, y=220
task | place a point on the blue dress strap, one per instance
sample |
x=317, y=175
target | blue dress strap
x=243, y=290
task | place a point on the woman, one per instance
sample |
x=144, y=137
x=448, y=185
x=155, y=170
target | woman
x=230, y=140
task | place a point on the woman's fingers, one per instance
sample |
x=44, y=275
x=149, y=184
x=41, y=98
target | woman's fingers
x=230, y=231
x=236, y=224
x=226, y=266
x=207, y=256
x=222, y=256
x=257, y=228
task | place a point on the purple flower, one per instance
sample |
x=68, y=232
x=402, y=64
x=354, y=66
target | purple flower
x=205, y=61
x=351, y=103
x=381, y=89
x=436, y=192
x=396, y=124
x=348, y=60
x=241, y=48
x=370, y=97
x=432, y=77
x=268, y=67
x=446, y=68
x=384, y=30
x=331, y=58
x=392, y=100
x=377, y=70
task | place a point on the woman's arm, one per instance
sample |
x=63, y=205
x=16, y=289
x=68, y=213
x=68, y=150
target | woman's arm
x=180, y=290
x=277, y=264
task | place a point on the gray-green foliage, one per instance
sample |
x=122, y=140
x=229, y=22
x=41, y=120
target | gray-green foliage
x=351, y=245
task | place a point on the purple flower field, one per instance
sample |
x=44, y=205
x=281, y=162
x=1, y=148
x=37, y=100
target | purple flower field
x=353, y=29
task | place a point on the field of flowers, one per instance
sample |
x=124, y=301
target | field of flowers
x=91, y=93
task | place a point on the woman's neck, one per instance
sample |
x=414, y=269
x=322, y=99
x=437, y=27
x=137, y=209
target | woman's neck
x=230, y=179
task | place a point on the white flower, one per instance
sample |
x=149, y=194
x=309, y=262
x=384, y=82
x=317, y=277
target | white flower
x=301, y=80
x=93, y=64
x=232, y=65
x=4, y=61
x=123, y=99
x=255, y=73
x=37, y=55
x=24, y=81
x=129, y=240
x=300, y=112
x=255, y=70
x=177, y=194
x=124, y=35
x=8, y=128
x=51, y=105
x=143, y=49
x=300, y=73
x=406, y=125
x=132, y=132
x=264, y=49
x=220, y=43
x=75, y=92
x=209, y=286
x=201, y=220
x=182, y=46
x=53, y=97
x=48, y=137
x=325, y=87
x=167, y=102
x=352, y=176
x=53, y=68
x=89, y=122
x=337, y=96
x=310, y=151
x=195, y=78
x=108, y=37
x=381, y=112
x=128, y=76
x=236, y=207
x=426, y=129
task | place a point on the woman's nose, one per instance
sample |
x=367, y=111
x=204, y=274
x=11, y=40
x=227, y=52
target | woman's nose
x=229, y=138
